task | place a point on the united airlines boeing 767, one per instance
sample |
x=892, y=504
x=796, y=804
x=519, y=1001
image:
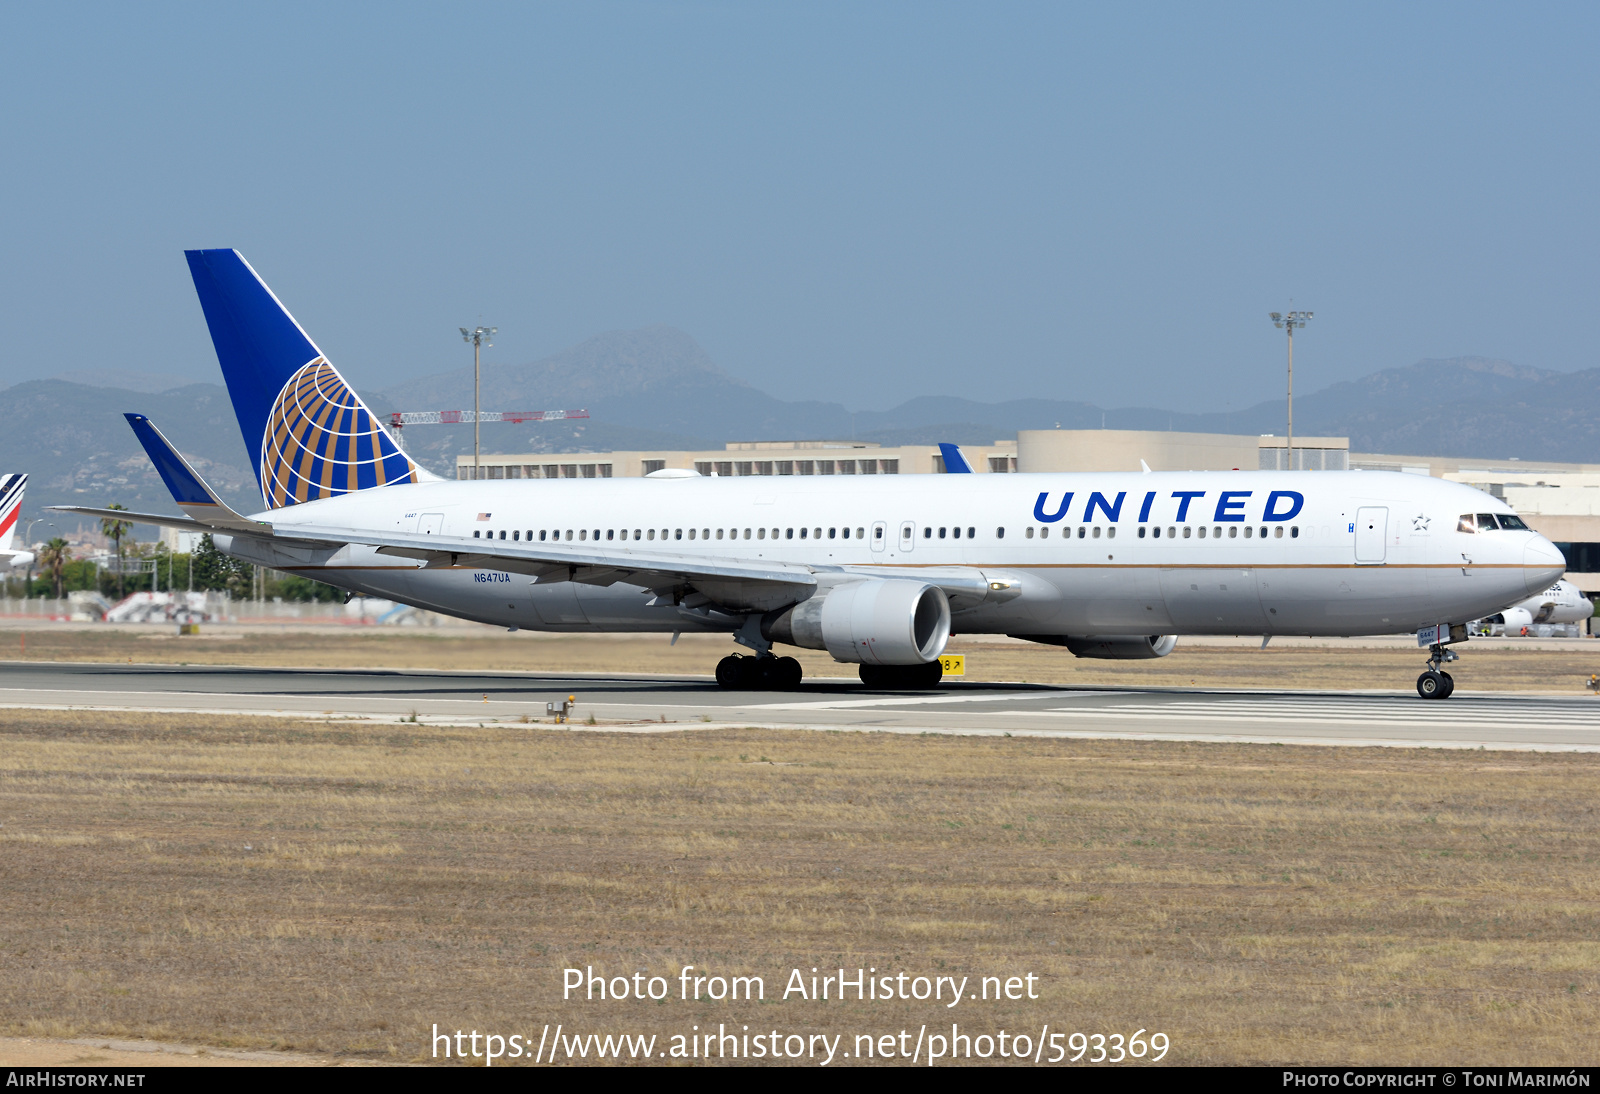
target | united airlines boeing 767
x=878, y=570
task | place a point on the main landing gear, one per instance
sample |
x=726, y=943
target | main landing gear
x=741, y=673
x=902, y=677
x=1435, y=683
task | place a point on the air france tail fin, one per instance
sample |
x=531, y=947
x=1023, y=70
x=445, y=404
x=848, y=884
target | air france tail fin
x=309, y=435
x=955, y=461
x=11, y=488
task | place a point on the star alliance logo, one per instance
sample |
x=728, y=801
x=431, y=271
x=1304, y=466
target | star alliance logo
x=1419, y=523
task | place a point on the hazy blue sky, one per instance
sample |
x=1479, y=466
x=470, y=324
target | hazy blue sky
x=858, y=202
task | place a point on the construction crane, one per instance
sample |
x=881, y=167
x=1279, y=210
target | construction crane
x=401, y=418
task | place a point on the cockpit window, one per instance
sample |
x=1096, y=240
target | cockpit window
x=1486, y=522
x=1512, y=523
x=1466, y=524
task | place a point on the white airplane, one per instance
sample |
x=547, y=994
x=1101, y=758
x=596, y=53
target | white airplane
x=11, y=488
x=879, y=571
x=1560, y=603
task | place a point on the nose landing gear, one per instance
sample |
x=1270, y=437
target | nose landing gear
x=1435, y=683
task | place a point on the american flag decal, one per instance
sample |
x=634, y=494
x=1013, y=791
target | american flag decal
x=483, y=516
x=322, y=441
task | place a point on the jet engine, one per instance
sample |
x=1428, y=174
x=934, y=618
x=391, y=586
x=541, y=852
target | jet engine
x=1109, y=647
x=1516, y=619
x=878, y=621
x=20, y=560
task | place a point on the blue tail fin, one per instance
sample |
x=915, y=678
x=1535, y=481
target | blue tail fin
x=955, y=460
x=309, y=435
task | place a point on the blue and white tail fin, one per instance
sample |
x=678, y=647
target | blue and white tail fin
x=189, y=490
x=11, y=488
x=309, y=435
x=955, y=460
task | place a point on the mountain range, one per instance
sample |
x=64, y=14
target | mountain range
x=656, y=388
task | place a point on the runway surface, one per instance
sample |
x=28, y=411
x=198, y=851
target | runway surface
x=657, y=703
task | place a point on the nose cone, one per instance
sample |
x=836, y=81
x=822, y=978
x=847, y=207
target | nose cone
x=1542, y=564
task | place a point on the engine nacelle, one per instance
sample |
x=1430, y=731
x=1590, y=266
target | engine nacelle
x=19, y=560
x=879, y=621
x=1109, y=647
x=1516, y=619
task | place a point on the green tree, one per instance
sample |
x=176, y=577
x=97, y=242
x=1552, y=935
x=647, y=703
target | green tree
x=215, y=570
x=53, y=557
x=114, y=530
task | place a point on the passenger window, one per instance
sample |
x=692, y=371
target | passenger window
x=583, y=533
x=515, y=536
x=1082, y=532
x=1141, y=531
x=1029, y=533
x=1202, y=531
x=941, y=533
x=971, y=532
x=790, y=533
x=877, y=533
x=541, y=535
x=678, y=534
x=1172, y=533
x=999, y=533
x=1096, y=531
x=1263, y=532
x=611, y=533
x=1216, y=533
x=719, y=533
x=832, y=533
x=774, y=533
x=652, y=534
x=1233, y=531
x=761, y=533
x=860, y=532
x=747, y=533
x=1294, y=533
x=802, y=534
x=1044, y=533
x=477, y=533
x=1247, y=532
x=816, y=533
x=1187, y=531
x=1277, y=533
x=927, y=533
x=1111, y=533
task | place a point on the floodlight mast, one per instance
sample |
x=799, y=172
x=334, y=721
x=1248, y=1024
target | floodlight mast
x=1289, y=321
x=479, y=337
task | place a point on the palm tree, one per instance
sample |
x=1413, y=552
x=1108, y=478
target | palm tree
x=115, y=529
x=52, y=557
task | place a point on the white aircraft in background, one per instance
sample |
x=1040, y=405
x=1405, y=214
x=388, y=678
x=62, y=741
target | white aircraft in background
x=11, y=488
x=1561, y=603
x=879, y=571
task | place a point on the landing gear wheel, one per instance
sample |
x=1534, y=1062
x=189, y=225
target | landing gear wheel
x=787, y=674
x=733, y=671
x=1433, y=685
x=902, y=677
x=1449, y=685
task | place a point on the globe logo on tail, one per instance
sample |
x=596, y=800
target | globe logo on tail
x=322, y=441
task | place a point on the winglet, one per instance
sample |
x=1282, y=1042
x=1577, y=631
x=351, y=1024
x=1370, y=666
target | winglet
x=188, y=489
x=955, y=462
x=1144, y=467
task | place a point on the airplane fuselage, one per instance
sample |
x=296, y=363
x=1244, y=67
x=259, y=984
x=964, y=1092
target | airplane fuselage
x=1326, y=553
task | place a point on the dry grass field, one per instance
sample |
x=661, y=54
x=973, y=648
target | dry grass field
x=1486, y=666
x=338, y=888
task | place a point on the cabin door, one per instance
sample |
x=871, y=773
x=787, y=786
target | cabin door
x=1372, y=527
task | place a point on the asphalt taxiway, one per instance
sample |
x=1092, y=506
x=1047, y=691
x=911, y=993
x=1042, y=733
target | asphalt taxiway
x=657, y=703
